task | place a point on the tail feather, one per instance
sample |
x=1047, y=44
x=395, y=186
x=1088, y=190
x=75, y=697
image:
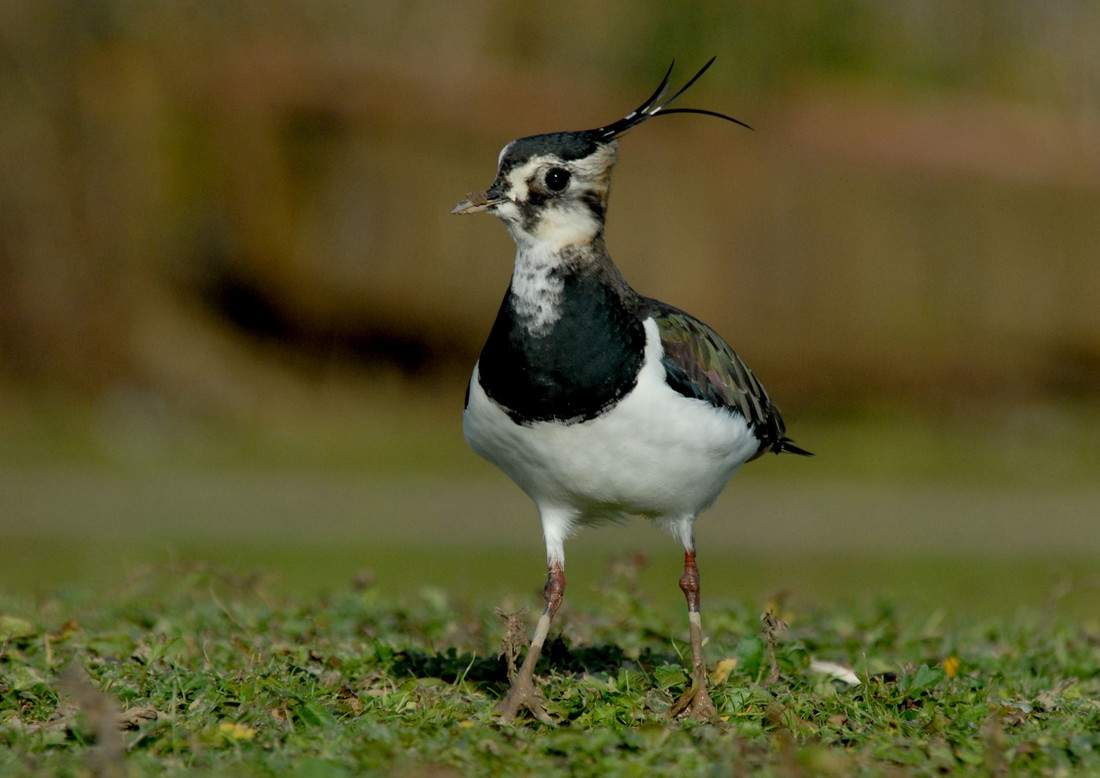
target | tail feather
x=787, y=446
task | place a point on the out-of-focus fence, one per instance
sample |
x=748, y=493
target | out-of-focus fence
x=195, y=197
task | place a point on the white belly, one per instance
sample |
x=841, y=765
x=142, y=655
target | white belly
x=656, y=453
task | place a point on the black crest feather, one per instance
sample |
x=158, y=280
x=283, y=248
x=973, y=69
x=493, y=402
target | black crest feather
x=654, y=107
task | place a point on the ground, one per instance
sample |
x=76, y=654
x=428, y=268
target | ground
x=195, y=670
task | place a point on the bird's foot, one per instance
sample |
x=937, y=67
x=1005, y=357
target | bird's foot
x=522, y=695
x=695, y=703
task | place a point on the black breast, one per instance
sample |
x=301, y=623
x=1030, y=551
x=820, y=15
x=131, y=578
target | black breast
x=583, y=364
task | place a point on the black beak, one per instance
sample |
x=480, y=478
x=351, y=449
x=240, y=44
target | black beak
x=477, y=202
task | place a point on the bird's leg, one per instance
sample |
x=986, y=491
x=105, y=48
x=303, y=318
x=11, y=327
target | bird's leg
x=695, y=702
x=523, y=693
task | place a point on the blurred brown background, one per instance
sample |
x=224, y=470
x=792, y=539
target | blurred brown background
x=226, y=222
x=188, y=185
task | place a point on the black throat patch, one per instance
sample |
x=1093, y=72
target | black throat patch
x=583, y=364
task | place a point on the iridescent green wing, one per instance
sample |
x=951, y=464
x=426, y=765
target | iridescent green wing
x=699, y=364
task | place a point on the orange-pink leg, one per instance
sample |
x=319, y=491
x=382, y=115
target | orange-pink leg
x=523, y=693
x=695, y=702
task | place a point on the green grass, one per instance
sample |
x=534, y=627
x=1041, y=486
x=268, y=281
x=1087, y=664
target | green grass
x=213, y=673
x=397, y=432
x=909, y=540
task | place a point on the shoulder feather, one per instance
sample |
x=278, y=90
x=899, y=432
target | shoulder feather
x=700, y=364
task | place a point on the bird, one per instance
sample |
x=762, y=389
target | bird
x=600, y=403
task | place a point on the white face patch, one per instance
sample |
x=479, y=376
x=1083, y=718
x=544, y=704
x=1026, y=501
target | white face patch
x=563, y=218
x=518, y=176
x=566, y=224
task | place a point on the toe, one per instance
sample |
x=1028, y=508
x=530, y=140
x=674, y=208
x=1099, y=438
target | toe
x=522, y=696
x=695, y=704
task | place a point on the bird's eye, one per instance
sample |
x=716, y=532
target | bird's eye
x=557, y=179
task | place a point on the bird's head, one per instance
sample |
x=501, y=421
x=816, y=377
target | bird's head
x=553, y=188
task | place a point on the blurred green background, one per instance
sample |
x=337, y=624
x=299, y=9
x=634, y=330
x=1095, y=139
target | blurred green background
x=237, y=320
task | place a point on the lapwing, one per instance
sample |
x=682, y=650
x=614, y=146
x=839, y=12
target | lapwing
x=599, y=402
